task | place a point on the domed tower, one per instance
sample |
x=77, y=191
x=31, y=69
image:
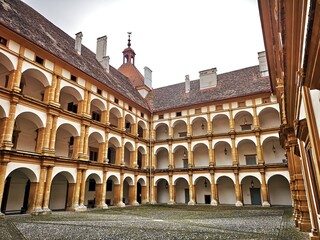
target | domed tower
x=142, y=83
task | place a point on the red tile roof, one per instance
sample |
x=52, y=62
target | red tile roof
x=131, y=72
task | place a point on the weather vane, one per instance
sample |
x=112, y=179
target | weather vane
x=129, y=40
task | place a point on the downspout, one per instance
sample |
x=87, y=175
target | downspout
x=150, y=158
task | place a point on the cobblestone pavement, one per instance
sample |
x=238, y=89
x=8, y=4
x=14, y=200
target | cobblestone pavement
x=156, y=222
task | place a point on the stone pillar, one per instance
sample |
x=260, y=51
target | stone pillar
x=7, y=144
x=170, y=133
x=17, y=75
x=70, y=197
x=82, y=207
x=46, y=140
x=134, y=201
x=238, y=190
x=121, y=203
x=76, y=196
x=255, y=118
x=32, y=197
x=211, y=154
x=57, y=92
x=3, y=170
x=108, y=113
x=40, y=138
x=209, y=131
x=122, y=150
x=191, y=200
x=190, y=155
x=259, y=149
x=47, y=189
x=189, y=127
x=103, y=204
x=231, y=121
x=53, y=134
x=213, y=189
x=264, y=189
x=40, y=191
x=153, y=189
x=101, y=152
x=171, y=163
x=85, y=143
x=116, y=194
x=52, y=89
x=171, y=200
x=235, y=160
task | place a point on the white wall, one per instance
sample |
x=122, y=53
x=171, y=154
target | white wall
x=180, y=186
x=162, y=159
x=201, y=156
x=162, y=192
x=220, y=124
x=279, y=191
x=16, y=191
x=58, y=192
x=226, y=191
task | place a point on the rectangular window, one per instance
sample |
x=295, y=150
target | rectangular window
x=128, y=127
x=219, y=107
x=197, y=110
x=266, y=100
x=71, y=141
x=130, y=108
x=96, y=116
x=161, y=116
x=7, y=81
x=142, y=114
x=182, y=134
x=250, y=159
x=39, y=60
x=109, y=185
x=99, y=91
x=116, y=100
x=241, y=104
x=3, y=41
x=93, y=154
x=245, y=127
x=73, y=78
x=178, y=114
x=72, y=107
x=92, y=185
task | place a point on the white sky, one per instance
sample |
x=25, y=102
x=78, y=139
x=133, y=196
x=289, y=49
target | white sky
x=172, y=37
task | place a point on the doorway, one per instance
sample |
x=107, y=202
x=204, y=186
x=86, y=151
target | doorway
x=255, y=196
x=186, y=195
x=207, y=199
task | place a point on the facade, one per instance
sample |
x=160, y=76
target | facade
x=291, y=34
x=77, y=133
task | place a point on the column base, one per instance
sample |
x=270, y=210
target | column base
x=121, y=204
x=7, y=145
x=239, y=204
x=265, y=204
x=1, y=215
x=214, y=202
x=37, y=211
x=171, y=202
x=153, y=202
x=135, y=203
x=46, y=211
x=191, y=203
x=80, y=208
x=103, y=206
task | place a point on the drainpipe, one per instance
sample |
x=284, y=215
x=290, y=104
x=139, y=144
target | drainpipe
x=150, y=159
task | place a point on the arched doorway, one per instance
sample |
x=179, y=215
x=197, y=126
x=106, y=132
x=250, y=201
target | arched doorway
x=251, y=191
x=279, y=191
x=226, y=191
x=182, y=191
x=162, y=191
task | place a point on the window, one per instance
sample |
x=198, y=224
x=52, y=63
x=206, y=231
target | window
x=128, y=126
x=7, y=81
x=73, y=78
x=72, y=107
x=219, y=107
x=178, y=114
x=116, y=100
x=96, y=116
x=71, y=141
x=161, y=116
x=266, y=100
x=3, y=41
x=15, y=136
x=250, y=159
x=130, y=108
x=246, y=127
x=197, y=110
x=39, y=60
x=99, y=91
x=241, y=104
x=92, y=185
x=182, y=134
x=109, y=185
x=142, y=114
x=93, y=156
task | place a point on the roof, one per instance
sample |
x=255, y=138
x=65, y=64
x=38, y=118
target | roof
x=233, y=84
x=130, y=71
x=16, y=15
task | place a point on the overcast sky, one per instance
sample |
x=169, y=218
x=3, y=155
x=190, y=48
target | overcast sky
x=172, y=37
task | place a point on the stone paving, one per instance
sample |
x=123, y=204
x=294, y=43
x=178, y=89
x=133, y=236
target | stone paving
x=156, y=222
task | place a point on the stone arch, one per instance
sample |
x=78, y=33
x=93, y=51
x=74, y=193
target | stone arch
x=162, y=131
x=162, y=158
x=226, y=190
x=220, y=124
x=248, y=184
x=203, y=190
x=247, y=152
x=179, y=129
x=199, y=126
x=65, y=137
x=97, y=107
x=162, y=193
x=181, y=186
x=243, y=121
x=70, y=98
x=6, y=66
x=128, y=154
x=223, y=153
x=180, y=157
x=279, y=190
x=201, y=155
x=272, y=151
x=115, y=117
x=114, y=150
x=142, y=127
x=269, y=117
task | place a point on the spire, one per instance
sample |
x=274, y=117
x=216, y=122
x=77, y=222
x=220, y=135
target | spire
x=129, y=40
x=128, y=53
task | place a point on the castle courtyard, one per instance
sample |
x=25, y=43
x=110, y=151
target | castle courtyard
x=157, y=222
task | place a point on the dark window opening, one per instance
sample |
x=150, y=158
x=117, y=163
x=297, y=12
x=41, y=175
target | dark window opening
x=96, y=116
x=128, y=126
x=3, y=41
x=15, y=136
x=266, y=100
x=116, y=100
x=109, y=185
x=250, y=159
x=39, y=60
x=7, y=81
x=72, y=107
x=71, y=141
x=93, y=156
x=245, y=127
x=178, y=114
x=241, y=104
x=219, y=107
x=161, y=116
x=130, y=108
x=73, y=78
x=197, y=110
x=182, y=134
x=142, y=114
x=92, y=185
x=99, y=91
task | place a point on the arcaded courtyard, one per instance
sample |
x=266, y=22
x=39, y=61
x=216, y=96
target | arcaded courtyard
x=156, y=222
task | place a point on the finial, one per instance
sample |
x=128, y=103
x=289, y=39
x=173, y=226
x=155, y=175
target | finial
x=129, y=40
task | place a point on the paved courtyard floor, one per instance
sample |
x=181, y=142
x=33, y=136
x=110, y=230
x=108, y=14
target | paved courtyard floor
x=156, y=222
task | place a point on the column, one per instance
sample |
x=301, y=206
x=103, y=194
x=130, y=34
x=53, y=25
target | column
x=238, y=190
x=102, y=204
x=76, y=196
x=211, y=154
x=121, y=203
x=213, y=189
x=171, y=200
x=57, y=92
x=52, y=89
x=209, y=131
x=82, y=207
x=235, y=161
x=191, y=200
x=40, y=191
x=122, y=151
x=107, y=112
x=189, y=126
x=264, y=189
x=17, y=75
x=135, y=155
x=3, y=170
x=231, y=121
x=171, y=163
x=135, y=190
x=40, y=139
x=255, y=118
x=153, y=192
x=170, y=129
x=259, y=149
x=85, y=144
x=7, y=144
x=46, y=140
x=53, y=134
x=47, y=189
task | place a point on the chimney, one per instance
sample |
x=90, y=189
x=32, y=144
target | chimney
x=77, y=45
x=101, y=52
x=208, y=78
x=263, y=64
x=148, y=77
x=187, y=85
